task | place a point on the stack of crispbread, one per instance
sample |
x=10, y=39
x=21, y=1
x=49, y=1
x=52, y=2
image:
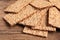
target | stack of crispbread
x=38, y=16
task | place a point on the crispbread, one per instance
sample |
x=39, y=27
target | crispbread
x=17, y=6
x=56, y=3
x=35, y=32
x=41, y=4
x=24, y=13
x=54, y=17
x=47, y=28
x=35, y=19
x=38, y=20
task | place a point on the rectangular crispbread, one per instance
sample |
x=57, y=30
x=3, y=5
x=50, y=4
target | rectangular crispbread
x=17, y=6
x=24, y=13
x=38, y=21
x=47, y=28
x=54, y=17
x=41, y=4
x=35, y=32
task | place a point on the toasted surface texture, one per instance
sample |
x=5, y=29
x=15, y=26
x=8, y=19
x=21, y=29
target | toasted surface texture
x=54, y=17
x=35, y=19
x=38, y=20
x=47, y=28
x=35, y=32
x=56, y=3
x=24, y=13
x=41, y=4
x=17, y=6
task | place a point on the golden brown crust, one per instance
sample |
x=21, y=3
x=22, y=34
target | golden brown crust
x=35, y=32
x=41, y=4
x=17, y=6
x=38, y=20
x=56, y=3
x=54, y=17
x=24, y=13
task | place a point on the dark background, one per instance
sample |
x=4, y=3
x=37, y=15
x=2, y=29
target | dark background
x=15, y=32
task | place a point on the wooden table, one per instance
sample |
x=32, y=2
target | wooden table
x=15, y=32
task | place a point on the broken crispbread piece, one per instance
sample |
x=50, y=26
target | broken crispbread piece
x=56, y=3
x=17, y=6
x=35, y=32
x=38, y=20
x=24, y=13
x=54, y=17
x=41, y=4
